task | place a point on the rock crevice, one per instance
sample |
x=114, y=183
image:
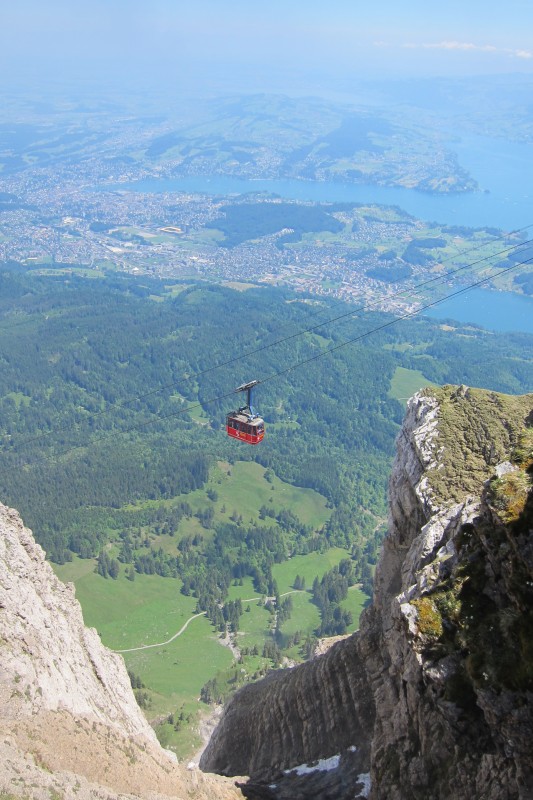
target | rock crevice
x=435, y=690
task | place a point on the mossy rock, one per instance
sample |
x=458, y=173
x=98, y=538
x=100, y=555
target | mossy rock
x=429, y=620
x=477, y=430
x=509, y=494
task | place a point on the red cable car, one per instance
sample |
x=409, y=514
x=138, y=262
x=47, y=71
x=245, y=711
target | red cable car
x=244, y=424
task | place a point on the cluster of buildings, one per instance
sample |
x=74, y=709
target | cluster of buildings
x=63, y=217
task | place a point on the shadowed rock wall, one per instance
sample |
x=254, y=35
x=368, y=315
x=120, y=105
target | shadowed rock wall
x=436, y=690
x=295, y=716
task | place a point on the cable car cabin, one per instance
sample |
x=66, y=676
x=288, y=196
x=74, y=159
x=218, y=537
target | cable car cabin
x=241, y=426
x=245, y=424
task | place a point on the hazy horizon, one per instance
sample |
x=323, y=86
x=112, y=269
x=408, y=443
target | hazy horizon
x=295, y=47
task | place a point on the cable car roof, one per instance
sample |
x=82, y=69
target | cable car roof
x=240, y=417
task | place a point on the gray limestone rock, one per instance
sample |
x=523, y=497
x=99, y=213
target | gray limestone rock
x=435, y=691
x=69, y=722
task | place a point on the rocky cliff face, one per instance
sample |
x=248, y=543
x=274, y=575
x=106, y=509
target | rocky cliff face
x=433, y=698
x=69, y=723
x=312, y=712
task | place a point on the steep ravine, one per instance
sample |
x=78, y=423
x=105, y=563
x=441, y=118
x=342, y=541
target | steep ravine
x=69, y=723
x=433, y=697
x=313, y=711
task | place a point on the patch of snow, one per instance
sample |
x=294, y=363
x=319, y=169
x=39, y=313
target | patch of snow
x=323, y=765
x=364, y=778
x=352, y=749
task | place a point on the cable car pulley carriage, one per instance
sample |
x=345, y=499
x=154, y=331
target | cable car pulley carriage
x=244, y=424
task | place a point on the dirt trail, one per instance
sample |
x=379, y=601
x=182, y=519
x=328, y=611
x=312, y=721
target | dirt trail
x=187, y=623
x=160, y=644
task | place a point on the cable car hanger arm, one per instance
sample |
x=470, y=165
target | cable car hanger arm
x=248, y=388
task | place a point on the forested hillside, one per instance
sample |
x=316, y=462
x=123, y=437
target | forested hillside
x=104, y=370
x=113, y=394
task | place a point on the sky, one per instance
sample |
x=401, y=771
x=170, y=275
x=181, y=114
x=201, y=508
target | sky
x=235, y=44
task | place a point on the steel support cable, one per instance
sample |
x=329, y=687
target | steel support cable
x=371, y=305
x=274, y=375
x=452, y=257
x=388, y=324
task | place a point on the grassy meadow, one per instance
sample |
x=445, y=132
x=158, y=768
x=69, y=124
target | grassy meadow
x=405, y=382
x=151, y=609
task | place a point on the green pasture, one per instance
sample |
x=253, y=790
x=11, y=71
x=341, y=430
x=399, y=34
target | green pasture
x=204, y=236
x=240, y=286
x=175, y=674
x=73, y=570
x=128, y=613
x=405, y=382
x=246, y=592
x=242, y=488
x=150, y=610
x=305, y=616
x=254, y=626
x=174, y=289
x=177, y=671
x=19, y=398
x=197, y=413
x=398, y=347
x=307, y=567
x=355, y=602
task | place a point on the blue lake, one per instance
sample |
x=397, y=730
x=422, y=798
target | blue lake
x=473, y=209
x=497, y=311
x=504, y=172
x=503, y=169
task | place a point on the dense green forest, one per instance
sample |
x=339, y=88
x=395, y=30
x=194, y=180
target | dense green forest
x=113, y=394
x=109, y=409
x=243, y=221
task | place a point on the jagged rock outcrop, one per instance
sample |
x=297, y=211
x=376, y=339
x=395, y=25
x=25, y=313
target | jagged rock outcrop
x=436, y=689
x=453, y=604
x=69, y=723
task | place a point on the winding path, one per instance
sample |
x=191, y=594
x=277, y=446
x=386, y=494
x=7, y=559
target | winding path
x=160, y=644
x=186, y=624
